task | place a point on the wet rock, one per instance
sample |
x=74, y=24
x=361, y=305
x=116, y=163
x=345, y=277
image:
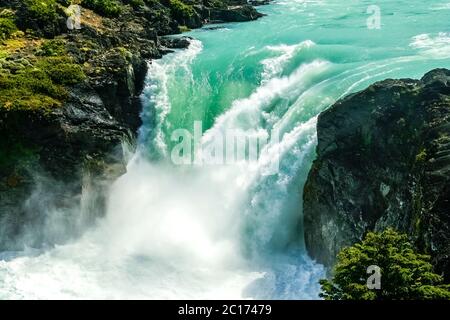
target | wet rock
x=175, y=43
x=238, y=13
x=383, y=161
x=258, y=2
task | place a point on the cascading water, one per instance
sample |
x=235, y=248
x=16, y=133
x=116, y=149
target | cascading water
x=231, y=231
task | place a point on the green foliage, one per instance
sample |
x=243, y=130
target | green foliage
x=422, y=155
x=33, y=89
x=40, y=86
x=38, y=82
x=7, y=28
x=109, y=8
x=184, y=29
x=61, y=70
x=405, y=274
x=181, y=10
x=41, y=11
x=52, y=48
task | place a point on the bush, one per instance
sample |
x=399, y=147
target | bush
x=181, y=10
x=51, y=48
x=7, y=28
x=110, y=8
x=7, y=25
x=405, y=274
x=41, y=11
x=62, y=70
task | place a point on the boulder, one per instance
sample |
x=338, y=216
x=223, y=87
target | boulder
x=383, y=160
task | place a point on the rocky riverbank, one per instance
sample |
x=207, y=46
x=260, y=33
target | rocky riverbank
x=383, y=160
x=69, y=100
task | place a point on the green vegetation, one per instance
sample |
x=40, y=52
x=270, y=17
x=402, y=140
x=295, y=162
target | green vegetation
x=184, y=29
x=33, y=89
x=405, y=274
x=61, y=70
x=39, y=84
x=181, y=10
x=52, y=48
x=110, y=8
x=41, y=11
x=422, y=155
x=7, y=28
x=7, y=25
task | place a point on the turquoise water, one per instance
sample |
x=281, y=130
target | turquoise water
x=412, y=40
x=233, y=231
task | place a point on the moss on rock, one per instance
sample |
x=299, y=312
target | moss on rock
x=38, y=83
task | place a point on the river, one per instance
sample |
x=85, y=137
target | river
x=221, y=231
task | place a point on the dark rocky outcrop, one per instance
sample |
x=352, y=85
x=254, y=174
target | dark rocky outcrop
x=383, y=160
x=236, y=13
x=53, y=158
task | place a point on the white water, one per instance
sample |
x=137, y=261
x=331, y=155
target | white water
x=181, y=232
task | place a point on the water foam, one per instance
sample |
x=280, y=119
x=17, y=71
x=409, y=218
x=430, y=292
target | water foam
x=156, y=92
x=250, y=113
x=275, y=65
x=432, y=46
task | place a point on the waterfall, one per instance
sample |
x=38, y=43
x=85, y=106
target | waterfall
x=190, y=232
x=219, y=230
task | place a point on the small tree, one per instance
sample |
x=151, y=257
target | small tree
x=405, y=274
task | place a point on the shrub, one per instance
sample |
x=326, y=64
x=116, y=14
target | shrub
x=405, y=274
x=51, y=48
x=7, y=28
x=110, y=8
x=41, y=11
x=181, y=10
x=62, y=70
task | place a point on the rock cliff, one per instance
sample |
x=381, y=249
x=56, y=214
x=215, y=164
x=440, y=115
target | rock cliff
x=383, y=160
